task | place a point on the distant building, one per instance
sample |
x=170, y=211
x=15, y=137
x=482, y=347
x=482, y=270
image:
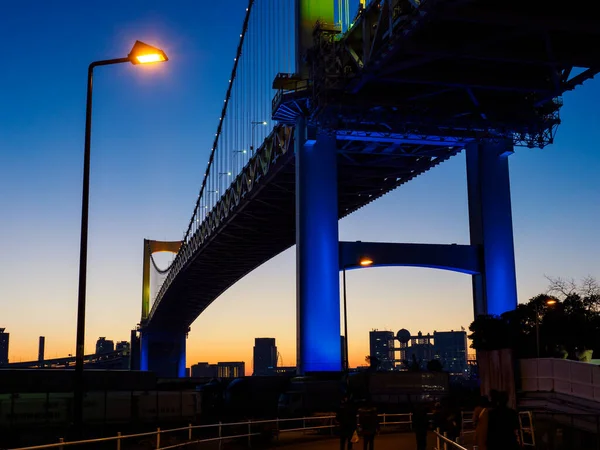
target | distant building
x=231, y=369
x=451, y=350
x=104, y=346
x=381, y=344
x=41, y=349
x=4, y=337
x=421, y=349
x=265, y=356
x=122, y=346
x=203, y=370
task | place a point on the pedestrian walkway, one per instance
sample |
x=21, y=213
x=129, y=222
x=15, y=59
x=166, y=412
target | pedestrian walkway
x=395, y=441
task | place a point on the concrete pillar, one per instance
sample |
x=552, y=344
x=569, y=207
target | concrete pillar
x=163, y=352
x=317, y=255
x=490, y=223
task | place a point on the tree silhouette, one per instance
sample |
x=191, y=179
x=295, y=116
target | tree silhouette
x=571, y=324
x=434, y=365
x=415, y=365
x=373, y=362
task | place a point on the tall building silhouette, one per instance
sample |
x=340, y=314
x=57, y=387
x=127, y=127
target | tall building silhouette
x=104, y=346
x=41, y=348
x=451, y=350
x=4, y=337
x=381, y=345
x=265, y=356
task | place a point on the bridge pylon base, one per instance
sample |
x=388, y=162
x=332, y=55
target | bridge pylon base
x=163, y=352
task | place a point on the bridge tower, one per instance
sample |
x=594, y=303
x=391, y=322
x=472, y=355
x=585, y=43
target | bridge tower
x=317, y=254
x=490, y=225
x=161, y=351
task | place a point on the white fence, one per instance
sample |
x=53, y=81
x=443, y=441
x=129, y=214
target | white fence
x=563, y=376
x=221, y=431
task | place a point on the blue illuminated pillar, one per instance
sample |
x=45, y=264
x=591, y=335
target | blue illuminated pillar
x=163, y=352
x=317, y=254
x=490, y=222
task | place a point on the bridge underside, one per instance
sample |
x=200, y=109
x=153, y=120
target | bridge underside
x=263, y=224
x=463, y=69
x=405, y=89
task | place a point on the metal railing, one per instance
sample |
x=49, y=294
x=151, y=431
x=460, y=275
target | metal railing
x=251, y=428
x=442, y=442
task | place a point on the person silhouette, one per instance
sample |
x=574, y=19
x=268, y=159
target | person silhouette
x=346, y=418
x=503, y=424
x=369, y=425
x=420, y=425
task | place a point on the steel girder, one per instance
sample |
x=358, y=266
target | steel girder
x=482, y=69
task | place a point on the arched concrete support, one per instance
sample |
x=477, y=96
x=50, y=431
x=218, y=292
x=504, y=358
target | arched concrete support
x=490, y=223
x=163, y=352
x=317, y=253
x=458, y=258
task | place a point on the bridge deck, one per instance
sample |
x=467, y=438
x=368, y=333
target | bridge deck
x=263, y=223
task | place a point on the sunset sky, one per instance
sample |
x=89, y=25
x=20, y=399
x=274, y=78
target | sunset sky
x=153, y=129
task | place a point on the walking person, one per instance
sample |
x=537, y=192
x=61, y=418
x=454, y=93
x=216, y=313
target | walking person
x=346, y=417
x=368, y=420
x=420, y=425
x=480, y=423
x=503, y=424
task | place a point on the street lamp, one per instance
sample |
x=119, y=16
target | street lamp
x=254, y=123
x=549, y=302
x=140, y=54
x=236, y=154
x=363, y=262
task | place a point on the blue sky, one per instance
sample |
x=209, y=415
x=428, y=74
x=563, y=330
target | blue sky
x=153, y=127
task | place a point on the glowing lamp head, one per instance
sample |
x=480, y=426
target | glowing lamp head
x=550, y=302
x=366, y=262
x=145, y=54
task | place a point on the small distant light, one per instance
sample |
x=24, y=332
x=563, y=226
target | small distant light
x=366, y=262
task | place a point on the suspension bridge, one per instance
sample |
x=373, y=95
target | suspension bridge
x=330, y=106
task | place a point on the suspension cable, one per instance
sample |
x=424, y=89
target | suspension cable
x=221, y=119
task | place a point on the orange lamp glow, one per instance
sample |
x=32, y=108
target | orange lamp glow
x=142, y=53
x=550, y=302
x=366, y=262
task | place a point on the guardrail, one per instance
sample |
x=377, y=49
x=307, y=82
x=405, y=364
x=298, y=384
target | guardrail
x=442, y=442
x=220, y=429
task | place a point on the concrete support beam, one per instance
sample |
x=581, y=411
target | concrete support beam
x=458, y=258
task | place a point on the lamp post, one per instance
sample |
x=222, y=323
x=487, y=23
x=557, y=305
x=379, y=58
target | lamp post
x=140, y=54
x=254, y=123
x=364, y=262
x=237, y=154
x=548, y=302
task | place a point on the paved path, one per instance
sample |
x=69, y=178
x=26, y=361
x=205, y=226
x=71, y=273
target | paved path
x=396, y=441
